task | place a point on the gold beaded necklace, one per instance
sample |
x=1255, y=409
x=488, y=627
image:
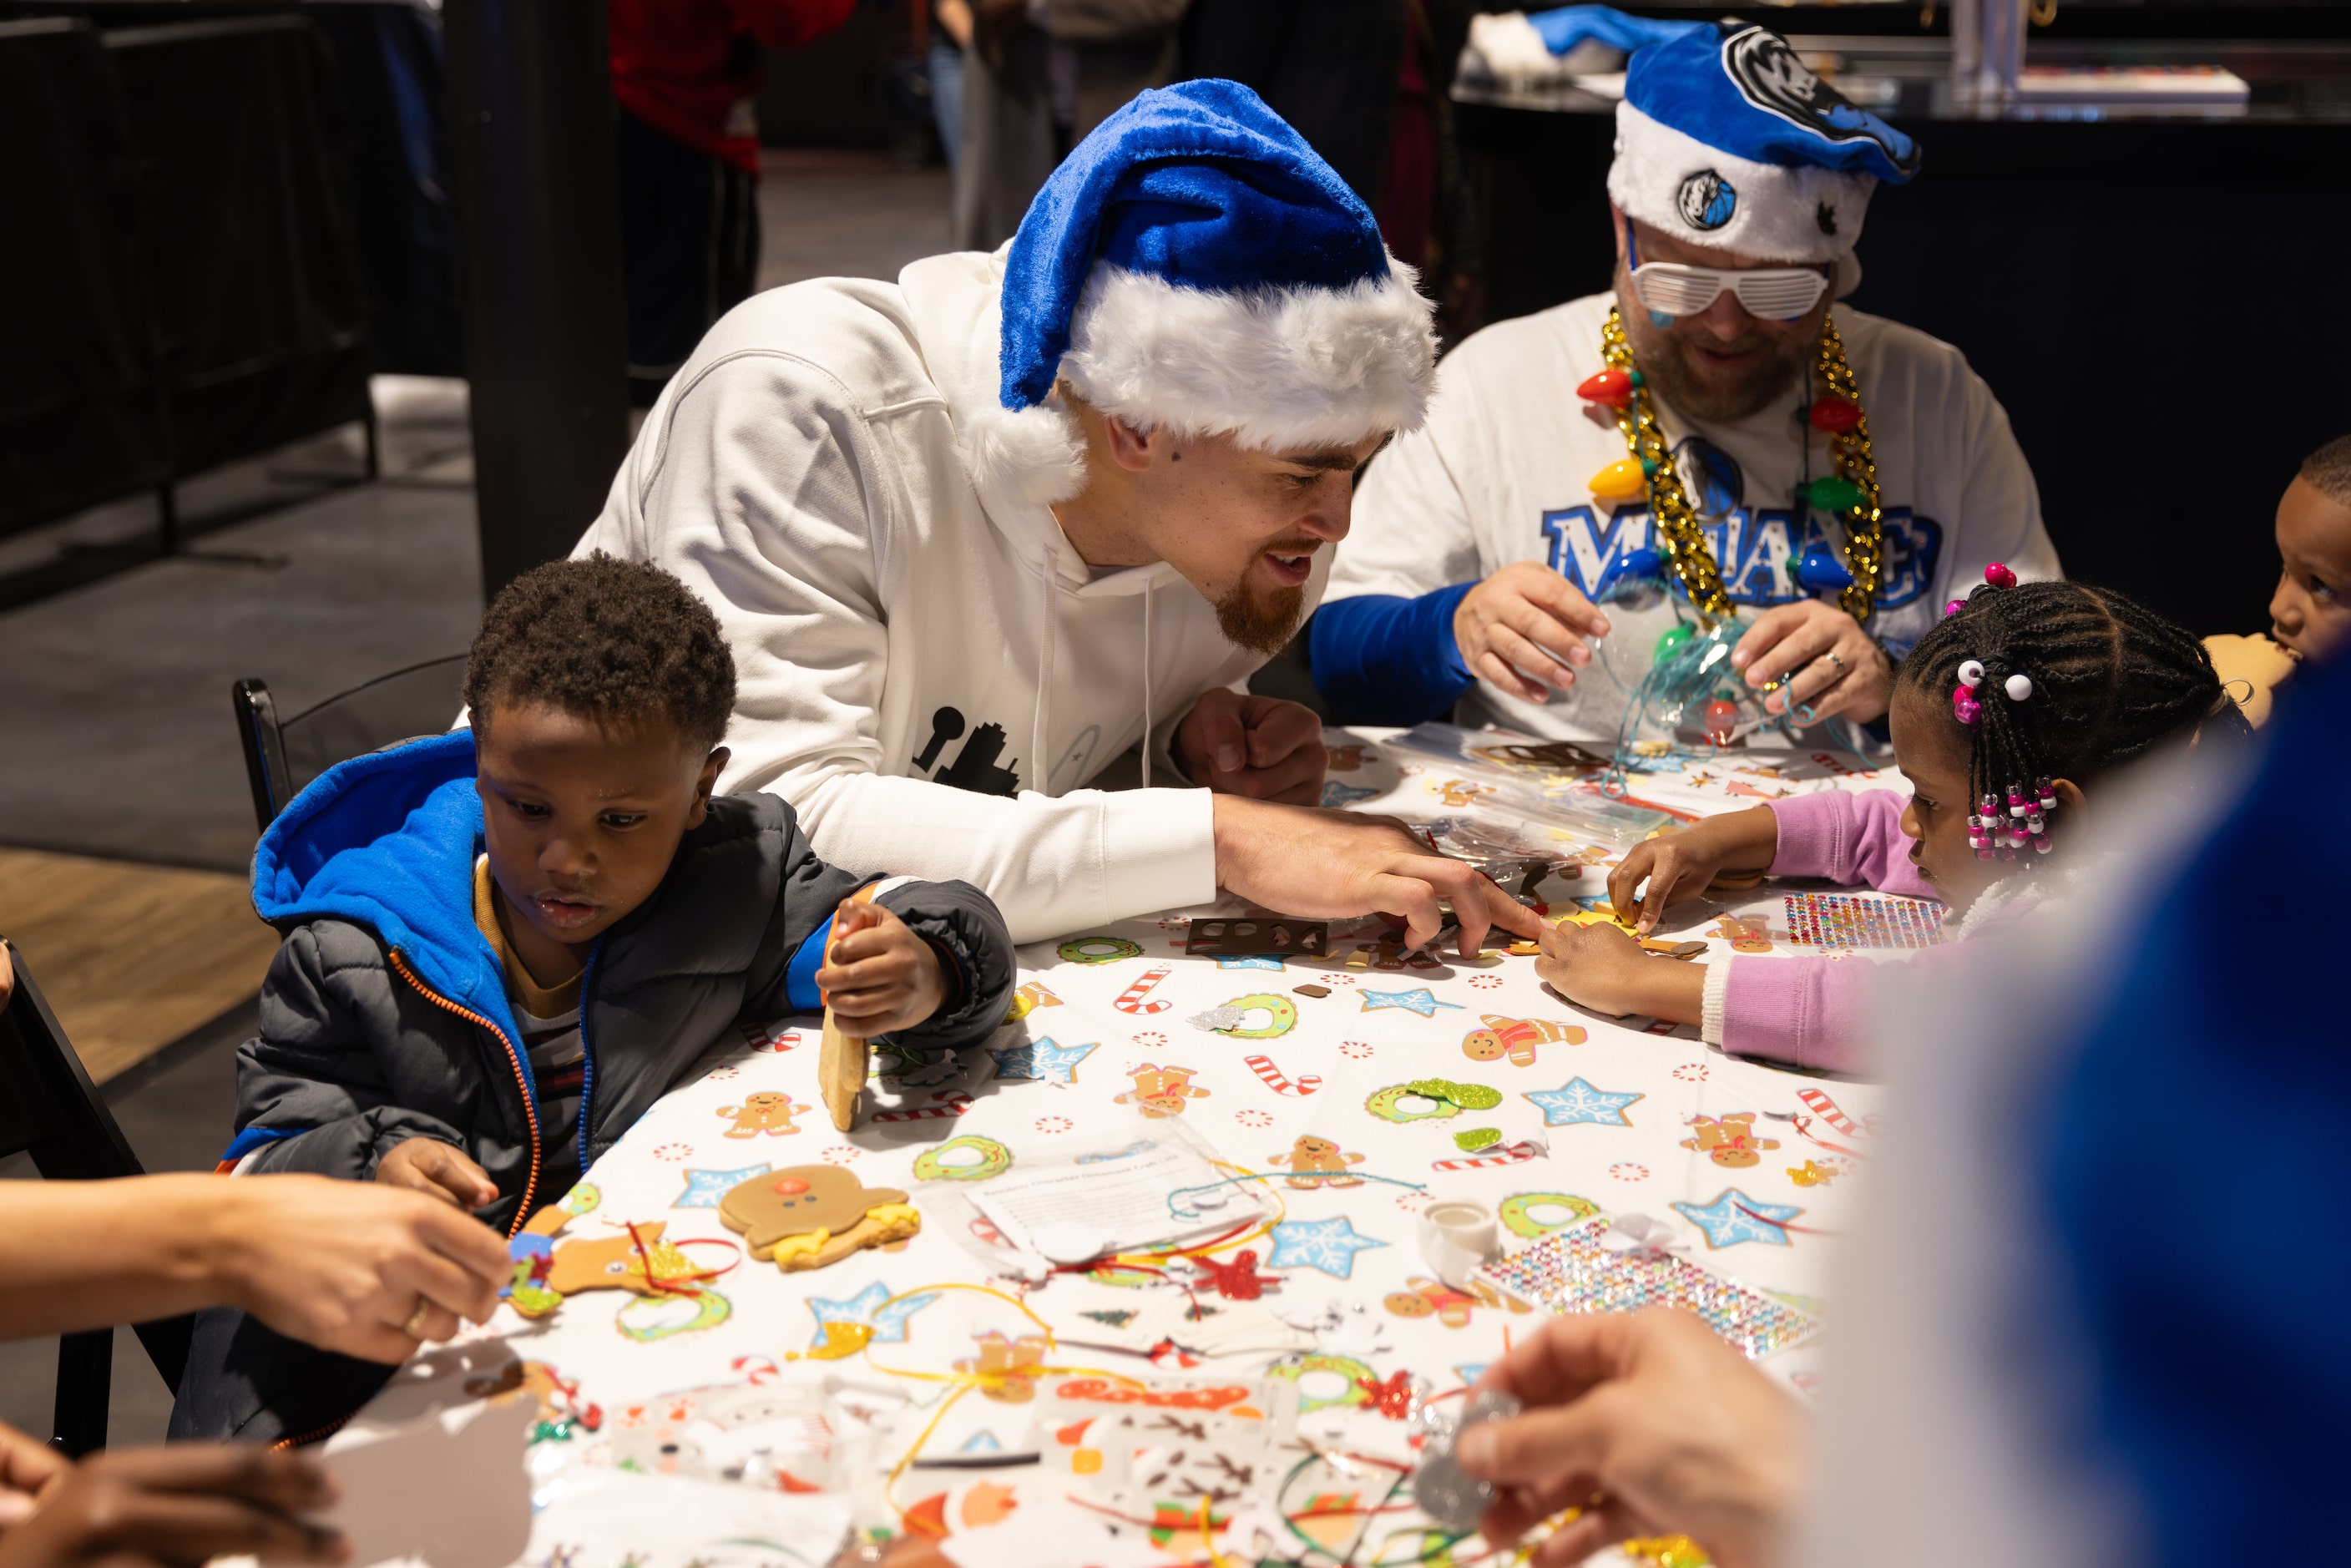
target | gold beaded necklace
x=1850, y=493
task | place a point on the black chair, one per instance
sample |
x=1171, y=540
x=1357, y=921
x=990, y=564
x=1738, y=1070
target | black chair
x=51, y=1111
x=283, y=756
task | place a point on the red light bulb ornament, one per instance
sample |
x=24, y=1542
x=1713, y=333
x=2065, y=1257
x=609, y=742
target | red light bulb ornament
x=1833, y=415
x=1611, y=388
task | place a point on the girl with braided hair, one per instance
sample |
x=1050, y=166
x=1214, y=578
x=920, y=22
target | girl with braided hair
x=2019, y=701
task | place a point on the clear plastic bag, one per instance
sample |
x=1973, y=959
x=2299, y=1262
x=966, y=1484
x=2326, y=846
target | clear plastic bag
x=1553, y=784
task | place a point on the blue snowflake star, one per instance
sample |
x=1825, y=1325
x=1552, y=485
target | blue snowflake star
x=1042, y=1060
x=1335, y=794
x=708, y=1189
x=1577, y=1101
x=1259, y=963
x=1734, y=1218
x=1422, y=1001
x=889, y=1323
x=1330, y=1245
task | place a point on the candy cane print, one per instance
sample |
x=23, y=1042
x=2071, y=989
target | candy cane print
x=1130, y=1000
x=1825, y=1108
x=1511, y=1154
x=955, y=1103
x=1264, y=1067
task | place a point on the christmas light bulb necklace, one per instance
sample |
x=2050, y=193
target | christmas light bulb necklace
x=1850, y=493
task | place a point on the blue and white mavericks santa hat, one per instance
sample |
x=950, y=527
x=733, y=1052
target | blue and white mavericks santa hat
x=1726, y=139
x=1195, y=266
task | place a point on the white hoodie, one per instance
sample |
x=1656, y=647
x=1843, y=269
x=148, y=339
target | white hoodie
x=897, y=631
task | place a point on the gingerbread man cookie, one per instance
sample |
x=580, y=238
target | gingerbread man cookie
x=765, y=1111
x=1516, y=1037
x=635, y=1258
x=1316, y=1162
x=805, y=1216
x=1432, y=1298
x=1730, y=1142
x=1745, y=932
x=1161, y=1091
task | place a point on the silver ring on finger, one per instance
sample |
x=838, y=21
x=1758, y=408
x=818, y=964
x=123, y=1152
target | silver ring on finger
x=1833, y=657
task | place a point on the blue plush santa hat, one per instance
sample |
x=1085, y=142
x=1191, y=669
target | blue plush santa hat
x=1195, y=266
x=1726, y=139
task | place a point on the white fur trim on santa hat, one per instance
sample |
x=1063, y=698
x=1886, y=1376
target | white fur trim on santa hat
x=1276, y=368
x=1764, y=212
x=1279, y=369
x=1021, y=457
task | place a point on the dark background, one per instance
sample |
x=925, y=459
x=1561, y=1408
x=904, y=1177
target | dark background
x=2159, y=307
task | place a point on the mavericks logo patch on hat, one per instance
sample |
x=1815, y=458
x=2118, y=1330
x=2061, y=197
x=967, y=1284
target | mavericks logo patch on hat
x=1707, y=200
x=1769, y=75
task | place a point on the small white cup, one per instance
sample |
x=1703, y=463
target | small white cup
x=1456, y=1237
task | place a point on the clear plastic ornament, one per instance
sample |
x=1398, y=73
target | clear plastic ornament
x=1686, y=703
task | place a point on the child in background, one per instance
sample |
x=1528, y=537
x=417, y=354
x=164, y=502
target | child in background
x=2310, y=614
x=504, y=943
x=2004, y=714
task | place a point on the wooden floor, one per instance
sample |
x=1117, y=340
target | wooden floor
x=132, y=957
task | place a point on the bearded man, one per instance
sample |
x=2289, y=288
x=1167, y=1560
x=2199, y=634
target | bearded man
x=975, y=535
x=1804, y=447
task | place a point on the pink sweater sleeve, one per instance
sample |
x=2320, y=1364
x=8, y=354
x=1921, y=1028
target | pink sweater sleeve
x=1813, y=1012
x=1804, y=1012
x=1849, y=839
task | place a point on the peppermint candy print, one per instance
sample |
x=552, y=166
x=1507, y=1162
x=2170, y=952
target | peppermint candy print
x=1130, y=1000
x=1264, y=1067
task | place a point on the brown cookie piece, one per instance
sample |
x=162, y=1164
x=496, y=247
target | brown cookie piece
x=805, y=1216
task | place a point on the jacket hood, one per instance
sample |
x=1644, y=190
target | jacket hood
x=388, y=840
x=1021, y=461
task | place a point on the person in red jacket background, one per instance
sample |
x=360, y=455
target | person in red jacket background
x=685, y=76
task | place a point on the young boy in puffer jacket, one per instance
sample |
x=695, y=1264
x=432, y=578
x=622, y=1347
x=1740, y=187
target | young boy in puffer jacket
x=504, y=943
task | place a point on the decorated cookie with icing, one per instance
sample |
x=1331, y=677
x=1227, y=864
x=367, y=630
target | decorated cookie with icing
x=805, y=1216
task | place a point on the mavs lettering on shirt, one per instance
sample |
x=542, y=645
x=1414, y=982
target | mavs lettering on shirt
x=1756, y=551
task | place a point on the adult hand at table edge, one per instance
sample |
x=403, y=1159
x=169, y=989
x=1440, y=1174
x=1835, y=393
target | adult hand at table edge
x=1794, y=642
x=1267, y=749
x=1334, y=865
x=178, y=1507
x=1522, y=630
x=1675, y=1431
x=343, y=1265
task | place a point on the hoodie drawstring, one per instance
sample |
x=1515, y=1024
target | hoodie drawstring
x=1041, y=721
x=1146, y=681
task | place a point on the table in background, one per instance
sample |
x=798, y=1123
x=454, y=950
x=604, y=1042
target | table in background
x=2133, y=285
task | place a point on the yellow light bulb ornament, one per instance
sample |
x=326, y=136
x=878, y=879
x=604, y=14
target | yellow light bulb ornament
x=1623, y=480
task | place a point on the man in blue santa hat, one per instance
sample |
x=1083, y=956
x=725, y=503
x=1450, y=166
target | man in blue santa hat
x=1596, y=470
x=976, y=534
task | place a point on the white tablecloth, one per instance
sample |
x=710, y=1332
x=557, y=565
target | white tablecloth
x=1615, y=1113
